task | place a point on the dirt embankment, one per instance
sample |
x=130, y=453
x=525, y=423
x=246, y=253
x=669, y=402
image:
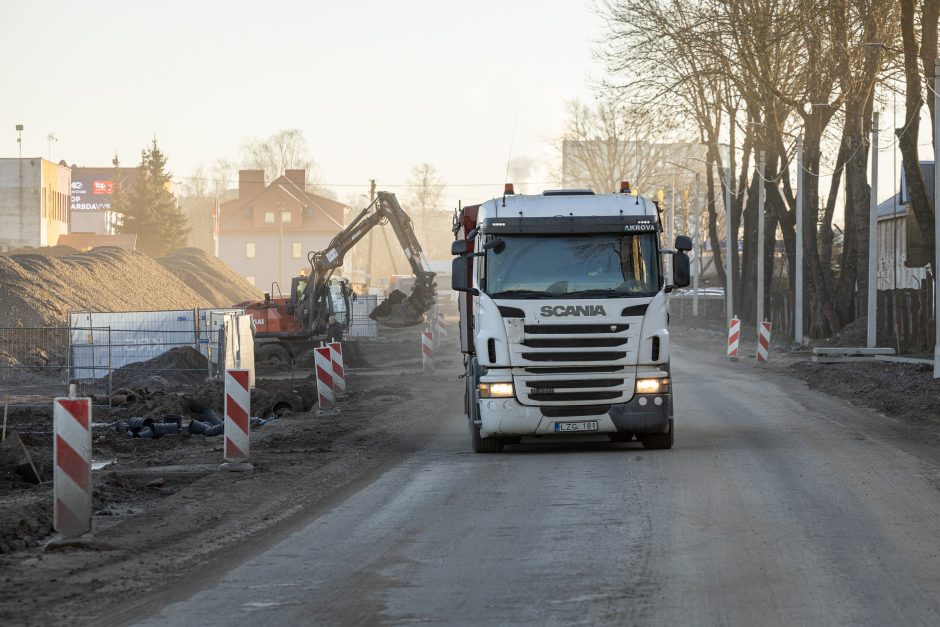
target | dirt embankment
x=164, y=514
x=39, y=288
x=209, y=277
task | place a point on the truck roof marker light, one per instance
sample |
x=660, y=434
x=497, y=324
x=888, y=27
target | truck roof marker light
x=508, y=190
x=624, y=187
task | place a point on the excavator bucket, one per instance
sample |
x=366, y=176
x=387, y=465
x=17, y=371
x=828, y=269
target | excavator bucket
x=385, y=307
x=399, y=310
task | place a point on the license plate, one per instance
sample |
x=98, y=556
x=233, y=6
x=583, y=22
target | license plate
x=590, y=425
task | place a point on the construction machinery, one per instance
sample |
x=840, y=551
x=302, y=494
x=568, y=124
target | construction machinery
x=287, y=326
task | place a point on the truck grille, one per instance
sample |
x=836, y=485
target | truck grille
x=543, y=384
x=573, y=386
x=543, y=329
x=575, y=396
x=575, y=365
x=599, y=356
x=576, y=342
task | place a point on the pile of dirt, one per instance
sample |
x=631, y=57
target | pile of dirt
x=39, y=287
x=182, y=364
x=36, y=290
x=855, y=334
x=45, y=251
x=906, y=391
x=209, y=277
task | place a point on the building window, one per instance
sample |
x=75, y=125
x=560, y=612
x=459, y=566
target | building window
x=269, y=217
x=285, y=217
x=249, y=250
x=250, y=279
x=297, y=250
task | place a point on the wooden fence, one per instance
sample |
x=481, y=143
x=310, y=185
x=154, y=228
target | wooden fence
x=906, y=317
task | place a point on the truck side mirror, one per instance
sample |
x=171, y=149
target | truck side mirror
x=460, y=275
x=497, y=245
x=683, y=243
x=681, y=272
x=460, y=247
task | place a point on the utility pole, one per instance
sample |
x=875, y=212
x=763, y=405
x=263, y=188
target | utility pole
x=761, y=167
x=936, y=222
x=873, y=239
x=670, y=227
x=798, y=283
x=697, y=244
x=731, y=241
x=19, y=165
x=369, y=242
x=280, y=245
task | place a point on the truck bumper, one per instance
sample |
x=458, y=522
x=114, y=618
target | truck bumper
x=644, y=413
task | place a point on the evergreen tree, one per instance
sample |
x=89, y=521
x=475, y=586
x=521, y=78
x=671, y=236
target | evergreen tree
x=149, y=209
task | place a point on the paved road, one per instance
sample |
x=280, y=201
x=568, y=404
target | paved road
x=775, y=508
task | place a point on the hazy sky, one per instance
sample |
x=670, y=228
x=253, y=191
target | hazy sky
x=376, y=87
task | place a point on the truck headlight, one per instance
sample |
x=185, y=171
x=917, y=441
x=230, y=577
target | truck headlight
x=652, y=386
x=496, y=390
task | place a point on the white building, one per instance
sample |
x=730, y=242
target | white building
x=34, y=202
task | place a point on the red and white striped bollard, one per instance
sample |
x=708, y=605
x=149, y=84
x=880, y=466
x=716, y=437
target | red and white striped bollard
x=427, y=350
x=339, y=373
x=734, y=338
x=763, y=341
x=237, y=412
x=323, y=363
x=71, y=483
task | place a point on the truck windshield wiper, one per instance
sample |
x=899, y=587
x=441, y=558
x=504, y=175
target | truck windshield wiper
x=521, y=294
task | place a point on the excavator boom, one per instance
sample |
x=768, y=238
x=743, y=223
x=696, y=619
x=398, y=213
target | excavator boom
x=398, y=310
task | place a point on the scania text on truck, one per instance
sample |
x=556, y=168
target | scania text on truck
x=563, y=317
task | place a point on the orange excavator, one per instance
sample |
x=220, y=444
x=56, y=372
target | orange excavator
x=286, y=327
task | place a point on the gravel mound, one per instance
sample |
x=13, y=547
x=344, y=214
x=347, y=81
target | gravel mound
x=39, y=287
x=209, y=277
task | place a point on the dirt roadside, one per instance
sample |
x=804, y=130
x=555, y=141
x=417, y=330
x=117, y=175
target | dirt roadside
x=167, y=520
x=905, y=392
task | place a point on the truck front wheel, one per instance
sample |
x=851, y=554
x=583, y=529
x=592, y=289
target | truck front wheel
x=477, y=443
x=658, y=440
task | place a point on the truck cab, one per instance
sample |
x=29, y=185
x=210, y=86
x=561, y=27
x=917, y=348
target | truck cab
x=564, y=321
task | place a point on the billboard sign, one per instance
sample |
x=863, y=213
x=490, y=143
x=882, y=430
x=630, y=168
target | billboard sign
x=93, y=188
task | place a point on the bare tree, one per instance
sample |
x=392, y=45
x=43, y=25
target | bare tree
x=612, y=142
x=284, y=150
x=749, y=71
x=425, y=206
x=923, y=50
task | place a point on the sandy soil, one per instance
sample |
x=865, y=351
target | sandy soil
x=39, y=288
x=165, y=513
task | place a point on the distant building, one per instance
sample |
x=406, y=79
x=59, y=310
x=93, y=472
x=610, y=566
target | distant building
x=90, y=198
x=34, y=202
x=266, y=233
x=903, y=255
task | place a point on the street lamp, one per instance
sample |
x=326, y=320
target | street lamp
x=51, y=139
x=19, y=164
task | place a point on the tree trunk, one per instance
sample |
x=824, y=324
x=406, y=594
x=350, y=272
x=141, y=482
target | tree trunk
x=907, y=135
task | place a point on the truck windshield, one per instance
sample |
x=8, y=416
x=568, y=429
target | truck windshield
x=577, y=266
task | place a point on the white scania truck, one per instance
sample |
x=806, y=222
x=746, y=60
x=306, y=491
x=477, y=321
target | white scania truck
x=563, y=317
